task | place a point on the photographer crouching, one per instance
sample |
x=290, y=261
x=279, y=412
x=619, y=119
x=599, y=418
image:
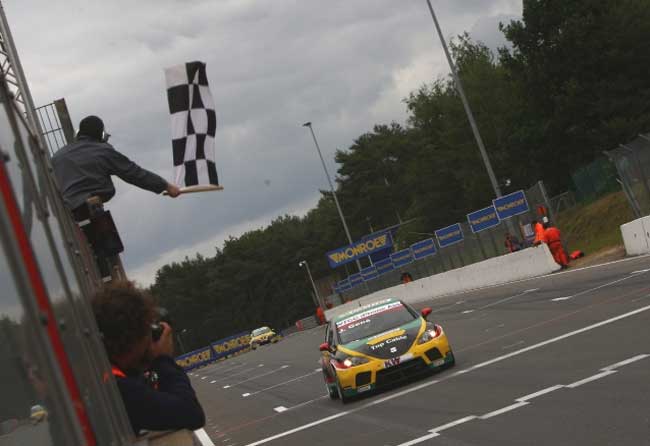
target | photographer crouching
x=156, y=392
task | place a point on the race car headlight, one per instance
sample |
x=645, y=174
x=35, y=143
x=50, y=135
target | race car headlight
x=353, y=361
x=431, y=332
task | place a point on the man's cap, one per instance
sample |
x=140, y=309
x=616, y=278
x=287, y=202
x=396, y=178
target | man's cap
x=92, y=126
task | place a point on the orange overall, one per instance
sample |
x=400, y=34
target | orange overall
x=539, y=234
x=552, y=236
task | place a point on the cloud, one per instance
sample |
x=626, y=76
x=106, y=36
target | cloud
x=271, y=66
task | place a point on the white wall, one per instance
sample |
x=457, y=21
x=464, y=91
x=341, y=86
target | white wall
x=524, y=264
x=636, y=236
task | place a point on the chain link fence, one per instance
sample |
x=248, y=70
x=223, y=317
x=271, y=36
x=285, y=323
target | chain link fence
x=632, y=161
x=472, y=249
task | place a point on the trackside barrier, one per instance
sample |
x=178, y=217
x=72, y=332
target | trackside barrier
x=307, y=323
x=636, y=236
x=524, y=264
x=217, y=350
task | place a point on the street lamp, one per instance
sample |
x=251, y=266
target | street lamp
x=468, y=110
x=311, y=279
x=329, y=180
x=180, y=340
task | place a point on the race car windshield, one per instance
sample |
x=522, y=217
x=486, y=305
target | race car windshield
x=260, y=331
x=373, y=321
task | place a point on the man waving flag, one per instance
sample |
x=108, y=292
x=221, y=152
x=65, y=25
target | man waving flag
x=194, y=125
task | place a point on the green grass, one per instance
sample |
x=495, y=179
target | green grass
x=595, y=226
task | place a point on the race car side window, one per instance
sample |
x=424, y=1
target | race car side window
x=329, y=336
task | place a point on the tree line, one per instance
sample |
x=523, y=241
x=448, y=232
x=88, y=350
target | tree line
x=573, y=81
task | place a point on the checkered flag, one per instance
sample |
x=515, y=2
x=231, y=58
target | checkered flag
x=194, y=123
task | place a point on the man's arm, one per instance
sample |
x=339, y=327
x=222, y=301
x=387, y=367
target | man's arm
x=123, y=167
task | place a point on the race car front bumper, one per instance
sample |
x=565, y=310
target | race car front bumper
x=377, y=373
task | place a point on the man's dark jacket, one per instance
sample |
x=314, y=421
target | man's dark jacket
x=172, y=406
x=84, y=169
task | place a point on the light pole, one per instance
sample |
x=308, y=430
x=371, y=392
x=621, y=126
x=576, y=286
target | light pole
x=329, y=180
x=311, y=279
x=468, y=110
x=180, y=340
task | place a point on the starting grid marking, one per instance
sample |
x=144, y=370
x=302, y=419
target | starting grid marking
x=525, y=400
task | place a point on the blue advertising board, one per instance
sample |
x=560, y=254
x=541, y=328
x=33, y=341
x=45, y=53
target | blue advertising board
x=384, y=266
x=369, y=273
x=483, y=219
x=355, y=279
x=381, y=254
x=449, y=235
x=511, y=205
x=365, y=247
x=215, y=351
x=423, y=248
x=401, y=258
x=342, y=285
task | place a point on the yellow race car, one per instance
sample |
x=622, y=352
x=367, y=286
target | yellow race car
x=263, y=335
x=378, y=345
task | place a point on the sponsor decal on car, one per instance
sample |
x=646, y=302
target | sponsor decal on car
x=387, y=342
x=368, y=313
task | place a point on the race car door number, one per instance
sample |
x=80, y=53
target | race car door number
x=396, y=361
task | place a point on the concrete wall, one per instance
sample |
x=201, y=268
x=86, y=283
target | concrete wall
x=636, y=236
x=524, y=264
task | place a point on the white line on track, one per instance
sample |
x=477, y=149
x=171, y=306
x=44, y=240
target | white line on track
x=641, y=271
x=433, y=433
x=530, y=396
x=523, y=293
x=430, y=383
x=229, y=386
x=626, y=362
x=280, y=409
x=559, y=299
x=245, y=395
x=521, y=402
x=503, y=410
x=238, y=373
x=452, y=424
x=506, y=347
x=203, y=437
x=226, y=369
x=591, y=378
x=420, y=439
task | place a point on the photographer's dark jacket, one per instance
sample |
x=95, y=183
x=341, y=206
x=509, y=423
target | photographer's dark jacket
x=173, y=405
x=84, y=169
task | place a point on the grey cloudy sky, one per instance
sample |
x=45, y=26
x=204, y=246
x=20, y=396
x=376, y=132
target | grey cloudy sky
x=272, y=65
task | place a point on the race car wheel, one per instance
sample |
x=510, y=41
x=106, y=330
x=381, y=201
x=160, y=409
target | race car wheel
x=333, y=393
x=344, y=399
x=254, y=345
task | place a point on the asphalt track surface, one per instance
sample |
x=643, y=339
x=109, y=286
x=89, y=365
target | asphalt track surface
x=559, y=360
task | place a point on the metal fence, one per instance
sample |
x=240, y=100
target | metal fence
x=474, y=248
x=594, y=180
x=56, y=124
x=632, y=161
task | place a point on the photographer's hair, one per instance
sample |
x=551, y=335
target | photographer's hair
x=124, y=315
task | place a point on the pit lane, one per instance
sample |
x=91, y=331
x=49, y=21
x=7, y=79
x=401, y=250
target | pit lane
x=510, y=342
